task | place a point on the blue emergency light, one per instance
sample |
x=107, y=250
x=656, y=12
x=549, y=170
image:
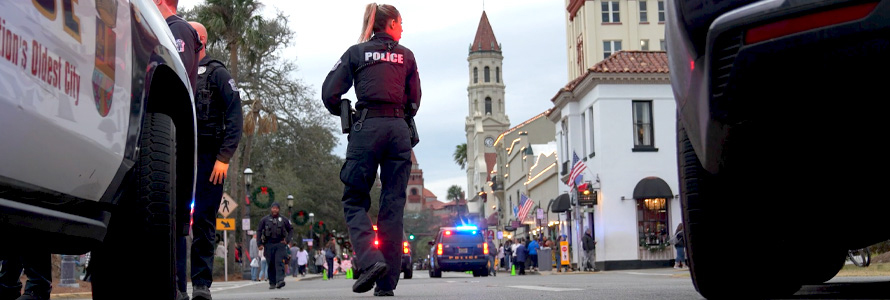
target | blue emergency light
x=467, y=228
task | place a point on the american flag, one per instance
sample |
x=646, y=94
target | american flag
x=525, y=205
x=578, y=167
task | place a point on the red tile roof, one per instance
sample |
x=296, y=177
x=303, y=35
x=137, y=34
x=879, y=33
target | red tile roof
x=626, y=62
x=633, y=62
x=435, y=205
x=427, y=193
x=490, y=160
x=485, y=40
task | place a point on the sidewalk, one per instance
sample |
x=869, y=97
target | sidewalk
x=217, y=286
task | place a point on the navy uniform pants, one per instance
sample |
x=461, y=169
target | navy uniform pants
x=275, y=254
x=383, y=143
x=36, y=265
x=207, y=199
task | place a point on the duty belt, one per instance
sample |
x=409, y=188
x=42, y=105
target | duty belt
x=385, y=113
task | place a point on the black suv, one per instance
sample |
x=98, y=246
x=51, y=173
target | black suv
x=459, y=249
x=97, y=146
x=778, y=105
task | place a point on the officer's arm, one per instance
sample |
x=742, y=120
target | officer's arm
x=338, y=82
x=183, y=31
x=412, y=85
x=234, y=119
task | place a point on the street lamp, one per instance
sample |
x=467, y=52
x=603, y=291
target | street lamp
x=248, y=176
x=290, y=205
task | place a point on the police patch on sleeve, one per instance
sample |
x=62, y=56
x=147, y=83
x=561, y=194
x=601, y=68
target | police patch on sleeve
x=233, y=85
x=336, y=65
x=180, y=45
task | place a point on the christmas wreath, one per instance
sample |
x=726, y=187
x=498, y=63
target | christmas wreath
x=300, y=218
x=264, y=190
x=320, y=227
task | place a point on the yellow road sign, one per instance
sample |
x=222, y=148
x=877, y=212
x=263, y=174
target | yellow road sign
x=225, y=224
x=226, y=205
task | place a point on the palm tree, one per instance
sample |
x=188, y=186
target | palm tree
x=460, y=155
x=455, y=192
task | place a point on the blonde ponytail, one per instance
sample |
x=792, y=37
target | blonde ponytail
x=368, y=24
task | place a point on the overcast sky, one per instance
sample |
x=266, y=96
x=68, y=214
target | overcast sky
x=439, y=33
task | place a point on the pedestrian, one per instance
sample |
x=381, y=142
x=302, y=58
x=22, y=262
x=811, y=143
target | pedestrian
x=330, y=252
x=501, y=255
x=275, y=231
x=37, y=266
x=588, y=244
x=264, y=265
x=302, y=260
x=238, y=251
x=319, y=261
x=253, y=255
x=294, y=250
x=218, y=120
x=533, y=255
x=548, y=244
x=520, y=252
x=679, y=241
x=388, y=91
x=513, y=247
x=492, y=259
x=508, y=255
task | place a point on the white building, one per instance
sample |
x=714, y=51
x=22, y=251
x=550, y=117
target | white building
x=620, y=119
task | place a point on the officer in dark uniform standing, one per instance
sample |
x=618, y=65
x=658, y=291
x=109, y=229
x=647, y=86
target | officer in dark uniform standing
x=275, y=232
x=219, y=120
x=388, y=89
x=187, y=44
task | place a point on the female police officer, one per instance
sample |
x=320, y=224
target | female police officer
x=388, y=90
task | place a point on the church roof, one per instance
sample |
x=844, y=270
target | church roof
x=428, y=194
x=485, y=40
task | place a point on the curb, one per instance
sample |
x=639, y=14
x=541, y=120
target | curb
x=71, y=296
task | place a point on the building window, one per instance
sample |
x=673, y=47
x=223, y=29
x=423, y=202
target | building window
x=642, y=118
x=644, y=13
x=487, y=74
x=660, y=11
x=487, y=105
x=583, y=133
x=414, y=191
x=652, y=222
x=610, y=47
x=610, y=12
x=475, y=75
x=664, y=46
x=497, y=74
x=644, y=45
x=590, y=115
x=579, y=46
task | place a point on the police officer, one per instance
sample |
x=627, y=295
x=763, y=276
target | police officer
x=188, y=45
x=37, y=265
x=219, y=120
x=275, y=232
x=388, y=91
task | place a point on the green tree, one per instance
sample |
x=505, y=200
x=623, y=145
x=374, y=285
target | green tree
x=460, y=155
x=455, y=192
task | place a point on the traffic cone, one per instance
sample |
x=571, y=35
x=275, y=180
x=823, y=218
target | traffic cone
x=513, y=271
x=349, y=274
x=324, y=275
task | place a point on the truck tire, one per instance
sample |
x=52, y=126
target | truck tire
x=138, y=250
x=716, y=241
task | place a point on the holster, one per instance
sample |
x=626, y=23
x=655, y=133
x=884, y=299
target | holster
x=415, y=138
x=347, y=115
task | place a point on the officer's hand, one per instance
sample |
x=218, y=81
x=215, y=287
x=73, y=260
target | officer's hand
x=220, y=169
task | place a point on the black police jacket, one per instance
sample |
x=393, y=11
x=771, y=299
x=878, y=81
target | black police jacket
x=384, y=74
x=275, y=229
x=187, y=44
x=217, y=110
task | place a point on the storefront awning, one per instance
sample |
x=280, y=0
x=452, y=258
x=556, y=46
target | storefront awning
x=562, y=203
x=652, y=187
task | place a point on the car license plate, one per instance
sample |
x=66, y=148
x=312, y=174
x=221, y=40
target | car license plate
x=462, y=250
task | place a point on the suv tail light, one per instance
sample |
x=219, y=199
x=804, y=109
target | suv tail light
x=405, y=247
x=376, y=243
x=807, y=22
x=485, y=248
x=439, y=249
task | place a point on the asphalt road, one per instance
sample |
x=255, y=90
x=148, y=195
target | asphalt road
x=629, y=284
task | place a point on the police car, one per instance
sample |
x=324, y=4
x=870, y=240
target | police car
x=459, y=249
x=98, y=137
